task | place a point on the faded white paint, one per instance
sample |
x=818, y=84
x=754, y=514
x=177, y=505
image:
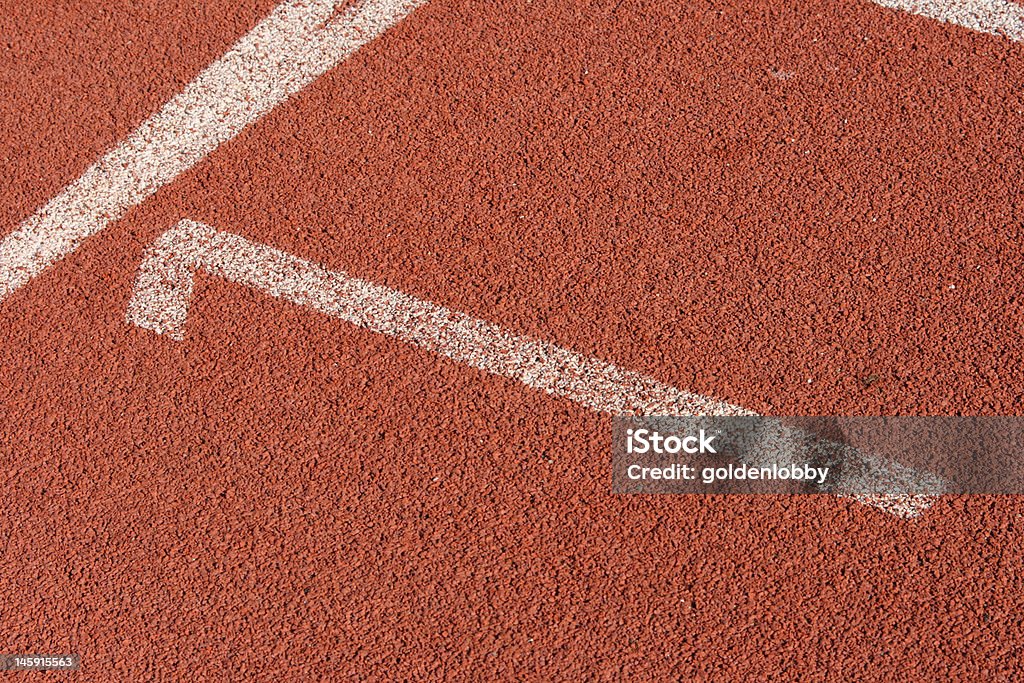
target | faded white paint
x=998, y=17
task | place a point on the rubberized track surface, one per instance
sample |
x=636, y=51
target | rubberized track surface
x=798, y=208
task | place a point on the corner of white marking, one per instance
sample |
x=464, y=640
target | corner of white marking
x=163, y=288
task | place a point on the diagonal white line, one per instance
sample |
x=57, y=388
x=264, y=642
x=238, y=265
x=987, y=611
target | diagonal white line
x=298, y=42
x=998, y=17
x=164, y=287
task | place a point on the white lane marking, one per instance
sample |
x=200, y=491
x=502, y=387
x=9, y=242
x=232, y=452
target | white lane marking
x=998, y=17
x=163, y=290
x=298, y=42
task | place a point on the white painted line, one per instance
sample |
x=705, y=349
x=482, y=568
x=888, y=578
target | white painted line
x=998, y=17
x=163, y=291
x=298, y=42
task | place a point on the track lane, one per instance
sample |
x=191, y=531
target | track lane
x=281, y=453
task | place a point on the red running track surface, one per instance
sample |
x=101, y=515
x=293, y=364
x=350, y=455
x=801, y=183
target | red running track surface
x=800, y=208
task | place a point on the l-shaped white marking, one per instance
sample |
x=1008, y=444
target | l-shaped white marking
x=163, y=291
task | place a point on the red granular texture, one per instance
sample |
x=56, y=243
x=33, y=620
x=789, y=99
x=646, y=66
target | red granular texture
x=735, y=199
